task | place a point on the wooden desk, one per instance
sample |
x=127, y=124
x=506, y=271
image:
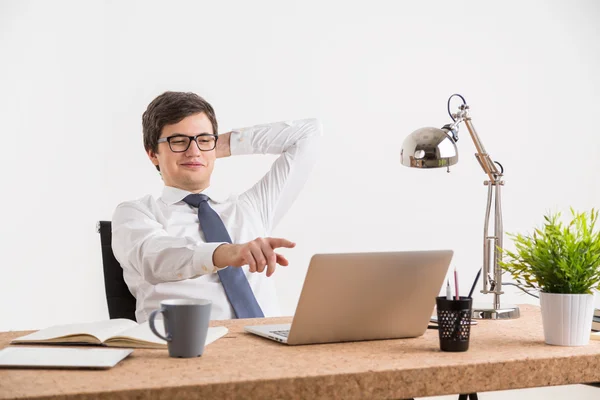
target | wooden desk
x=503, y=355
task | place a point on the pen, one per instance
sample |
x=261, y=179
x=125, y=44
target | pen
x=474, y=283
x=456, y=283
x=448, y=291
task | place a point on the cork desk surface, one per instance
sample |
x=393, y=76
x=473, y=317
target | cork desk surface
x=502, y=355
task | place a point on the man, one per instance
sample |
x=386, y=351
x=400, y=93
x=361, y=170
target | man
x=178, y=245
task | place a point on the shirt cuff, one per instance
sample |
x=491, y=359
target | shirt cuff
x=240, y=142
x=203, y=258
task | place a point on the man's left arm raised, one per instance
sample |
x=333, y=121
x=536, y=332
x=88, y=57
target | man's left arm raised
x=297, y=144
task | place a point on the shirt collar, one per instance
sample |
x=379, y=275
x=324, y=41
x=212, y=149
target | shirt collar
x=171, y=195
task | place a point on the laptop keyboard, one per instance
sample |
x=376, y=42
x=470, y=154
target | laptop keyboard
x=281, y=333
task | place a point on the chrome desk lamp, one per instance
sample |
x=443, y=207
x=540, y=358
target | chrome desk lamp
x=435, y=148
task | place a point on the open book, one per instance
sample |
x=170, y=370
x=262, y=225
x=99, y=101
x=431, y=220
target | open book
x=113, y=333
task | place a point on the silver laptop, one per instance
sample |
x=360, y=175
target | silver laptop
x=364, y=296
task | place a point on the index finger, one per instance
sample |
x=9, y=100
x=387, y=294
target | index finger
x=280, y=242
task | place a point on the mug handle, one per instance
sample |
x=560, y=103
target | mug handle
x=153, y=328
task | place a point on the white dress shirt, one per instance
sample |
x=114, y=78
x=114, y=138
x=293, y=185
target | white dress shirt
x=162, y=250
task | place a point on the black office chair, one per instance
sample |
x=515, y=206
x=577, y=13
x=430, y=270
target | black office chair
x=121, y=303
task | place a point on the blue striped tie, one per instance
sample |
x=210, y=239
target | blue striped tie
x=234, y=281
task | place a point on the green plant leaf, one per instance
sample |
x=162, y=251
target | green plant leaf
x=557, y=257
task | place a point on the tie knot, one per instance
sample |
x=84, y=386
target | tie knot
x=195, y=199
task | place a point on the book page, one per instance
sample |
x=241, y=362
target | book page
x=91, y=332
x=142, y=336
x=139, y=336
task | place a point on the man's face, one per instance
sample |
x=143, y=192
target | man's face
x=191, y=169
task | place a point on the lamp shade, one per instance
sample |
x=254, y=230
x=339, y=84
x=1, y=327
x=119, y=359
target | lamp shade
x=429, y=148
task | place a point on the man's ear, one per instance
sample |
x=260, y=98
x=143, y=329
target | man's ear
x=152, y=157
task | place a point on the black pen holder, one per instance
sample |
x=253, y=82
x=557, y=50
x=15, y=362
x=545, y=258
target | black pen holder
x=454, y=323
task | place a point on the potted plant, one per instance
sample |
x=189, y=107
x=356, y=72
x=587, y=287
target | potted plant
x=562, y=262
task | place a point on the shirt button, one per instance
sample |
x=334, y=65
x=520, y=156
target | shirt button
x=204, y=268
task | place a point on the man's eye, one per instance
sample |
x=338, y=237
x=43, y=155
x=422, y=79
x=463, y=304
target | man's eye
x=178, y=141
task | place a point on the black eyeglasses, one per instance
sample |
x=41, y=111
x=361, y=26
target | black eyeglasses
x=181, y=143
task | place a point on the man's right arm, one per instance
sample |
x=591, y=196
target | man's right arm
x=141, y=243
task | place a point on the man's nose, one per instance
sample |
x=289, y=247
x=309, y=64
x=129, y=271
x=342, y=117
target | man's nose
x=193, y=149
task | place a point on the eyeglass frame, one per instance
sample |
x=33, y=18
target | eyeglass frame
x=191, y=139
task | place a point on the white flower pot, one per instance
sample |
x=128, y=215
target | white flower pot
x=567, y=318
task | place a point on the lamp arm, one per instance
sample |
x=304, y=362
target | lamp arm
x=489, y=167
x=492, y=236
x=492, y=242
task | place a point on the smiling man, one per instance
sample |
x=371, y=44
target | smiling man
x=188, y=243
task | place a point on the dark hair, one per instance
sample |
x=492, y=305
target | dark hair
x=170, y=108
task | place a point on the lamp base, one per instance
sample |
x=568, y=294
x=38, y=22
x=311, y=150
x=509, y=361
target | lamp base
x=487, y=311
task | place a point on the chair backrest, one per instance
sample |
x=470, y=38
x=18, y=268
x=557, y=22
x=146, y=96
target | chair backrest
x=121, y=303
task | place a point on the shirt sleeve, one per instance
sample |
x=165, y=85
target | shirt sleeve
x=297, y=143
x=141, y=243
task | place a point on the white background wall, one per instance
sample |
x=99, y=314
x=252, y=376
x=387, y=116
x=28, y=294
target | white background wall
x=76, y=76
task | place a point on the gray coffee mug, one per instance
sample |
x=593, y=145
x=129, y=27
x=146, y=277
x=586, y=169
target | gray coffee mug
x=186, y=326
